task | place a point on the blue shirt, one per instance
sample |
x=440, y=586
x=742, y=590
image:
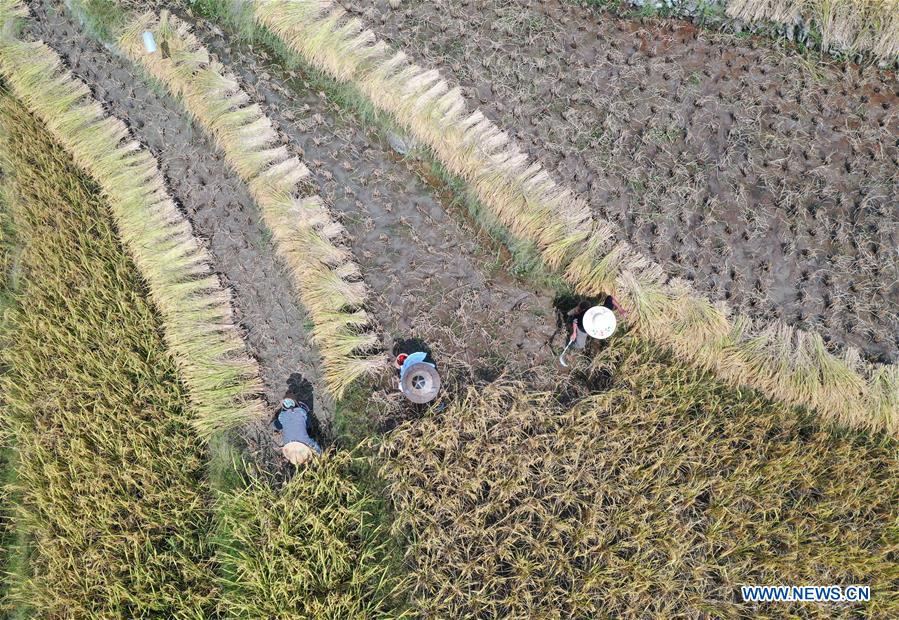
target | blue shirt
x=293, y=427
x=412, y=358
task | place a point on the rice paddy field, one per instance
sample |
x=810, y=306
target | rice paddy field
x=207, y=205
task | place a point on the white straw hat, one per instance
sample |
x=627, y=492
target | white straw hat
x=297, y=453
x=599, y=322
x=420, y=382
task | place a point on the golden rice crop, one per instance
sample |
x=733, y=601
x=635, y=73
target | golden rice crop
x=846, y=25
x=9, y=260
x=523, y=197
x=110, y=485
x=109, y=473
x=657, y=498
x=8, y=532
x=196, y=308
x=312, y=548
x=7, y=250
x=306, y=237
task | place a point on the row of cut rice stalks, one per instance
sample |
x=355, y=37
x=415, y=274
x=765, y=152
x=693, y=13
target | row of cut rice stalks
x=223, y=380
x=845, y=25
x=784, y=363
x=307, y=238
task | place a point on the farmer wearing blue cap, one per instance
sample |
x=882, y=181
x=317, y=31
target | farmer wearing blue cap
x=296, y=444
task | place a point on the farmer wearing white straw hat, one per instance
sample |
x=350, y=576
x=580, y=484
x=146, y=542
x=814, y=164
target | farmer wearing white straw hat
x=586, y=319
x=419, y=380
x=296, y=445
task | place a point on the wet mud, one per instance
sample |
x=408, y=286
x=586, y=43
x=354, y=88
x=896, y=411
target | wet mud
x=429, y=276
x=769, y=180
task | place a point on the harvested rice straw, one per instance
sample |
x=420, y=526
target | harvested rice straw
x=851, y=25
x=306, y=236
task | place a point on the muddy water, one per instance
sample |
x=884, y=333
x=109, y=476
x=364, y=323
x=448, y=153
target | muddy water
x=218, y=206
x=430, y=278
x=769, y=181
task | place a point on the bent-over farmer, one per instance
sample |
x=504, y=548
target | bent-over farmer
x=418, y=377
x=292, y=420
x=575, y=319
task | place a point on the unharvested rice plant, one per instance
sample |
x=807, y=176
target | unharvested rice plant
x=313, y=548
x=656, y=498
x=506, y=309
x=108, y=468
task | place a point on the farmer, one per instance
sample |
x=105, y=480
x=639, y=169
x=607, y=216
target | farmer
x=418, y=373
x=296, y=444
x=575, y=319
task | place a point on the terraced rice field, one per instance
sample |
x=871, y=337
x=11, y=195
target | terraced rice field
x=277, y=199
